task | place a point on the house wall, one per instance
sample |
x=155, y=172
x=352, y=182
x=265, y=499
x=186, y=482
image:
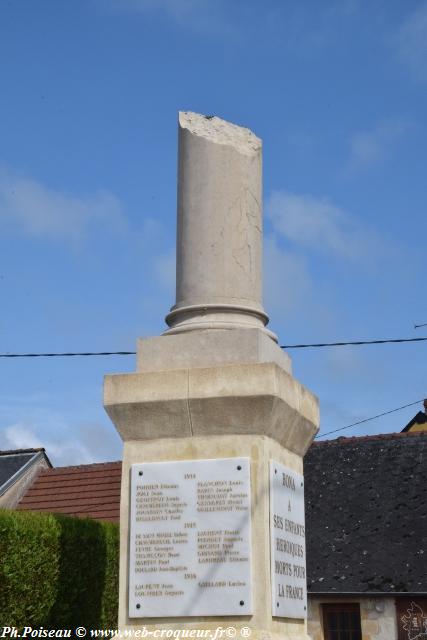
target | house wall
x=419, y=428
x=12, y=496
x=376, y=625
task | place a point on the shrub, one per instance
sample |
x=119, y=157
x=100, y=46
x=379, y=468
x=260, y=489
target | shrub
x=57, y=571
x=29, y=567
x=110, y=594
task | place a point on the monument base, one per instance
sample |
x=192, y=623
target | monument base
x=210, y=348
x=258, y=398
x=176, y=408
x=260, y=450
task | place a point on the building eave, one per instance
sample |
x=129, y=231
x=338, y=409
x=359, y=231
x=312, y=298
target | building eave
x=39, y=455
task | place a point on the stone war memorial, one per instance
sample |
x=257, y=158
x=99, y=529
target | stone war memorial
x=214, y=425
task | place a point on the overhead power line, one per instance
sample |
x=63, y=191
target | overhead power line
x=283, y=346
x=379, y=415
x=344, y=344
x=66, y=355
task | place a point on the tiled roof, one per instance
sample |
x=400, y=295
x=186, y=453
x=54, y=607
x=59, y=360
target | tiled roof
x=378, y=436
x=91, y=490
x=366, y=514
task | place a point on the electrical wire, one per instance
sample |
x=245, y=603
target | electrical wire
x=66, y=355
x=344, y=344
x=385, y=413
x=298, y=346
x=284, y=346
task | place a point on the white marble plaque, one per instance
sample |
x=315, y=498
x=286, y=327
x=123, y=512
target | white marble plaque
x=190, y=538
x=287, y=530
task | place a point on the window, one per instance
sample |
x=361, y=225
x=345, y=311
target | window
x=341, y=621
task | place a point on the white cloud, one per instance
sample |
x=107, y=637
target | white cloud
x=157, y=256
x=284, y=272
x=82, y=445
x=175, y=7
x=306, y=28
x=30, y=207
x=294, y=301
x=23, y=436
x=319, y=224
x=165, y=269
x=368, y=148
x=302, y=30
x=34, y=421
x=349, y=363
x=411, y=42
x=208, y=17
x=19, y=436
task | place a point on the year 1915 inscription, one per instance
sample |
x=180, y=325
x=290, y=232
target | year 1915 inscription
x=190, y=538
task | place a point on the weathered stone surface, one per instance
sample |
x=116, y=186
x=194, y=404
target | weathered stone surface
x=208, y=348
x=260, y=399
x=145, y=406
x=260, y=450
x=219, y=243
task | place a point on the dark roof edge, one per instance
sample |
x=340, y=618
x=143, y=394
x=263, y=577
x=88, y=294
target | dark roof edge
x=10, y=452
x=376, y=436
x=90, y=465
x=38, y=455
x=339, y=440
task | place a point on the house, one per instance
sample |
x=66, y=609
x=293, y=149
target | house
x=91, y=491
x=418, y=422
x=18, y=469
x=366, y=523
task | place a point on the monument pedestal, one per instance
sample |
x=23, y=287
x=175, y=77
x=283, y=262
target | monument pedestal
x=254, y=410
x=260, y=450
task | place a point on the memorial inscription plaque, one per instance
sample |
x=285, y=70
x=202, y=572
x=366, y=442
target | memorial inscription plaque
x=287, y=530
x=190, y=538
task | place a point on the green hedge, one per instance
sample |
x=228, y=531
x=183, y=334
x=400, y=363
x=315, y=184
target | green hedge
x=57, y=572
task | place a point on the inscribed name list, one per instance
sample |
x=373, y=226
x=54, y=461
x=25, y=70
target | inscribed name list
x=190, y=538
x=287, y=530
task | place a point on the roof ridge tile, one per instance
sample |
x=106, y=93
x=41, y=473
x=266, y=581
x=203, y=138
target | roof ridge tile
x=374, y=436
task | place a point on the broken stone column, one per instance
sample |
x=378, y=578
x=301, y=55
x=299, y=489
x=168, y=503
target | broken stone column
x=219, y=239
x=216, y=390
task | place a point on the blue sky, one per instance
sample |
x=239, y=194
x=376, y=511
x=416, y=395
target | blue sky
x=89, y=97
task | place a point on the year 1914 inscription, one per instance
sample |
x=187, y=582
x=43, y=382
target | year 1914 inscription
x=287, y=528
x=190, y=538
